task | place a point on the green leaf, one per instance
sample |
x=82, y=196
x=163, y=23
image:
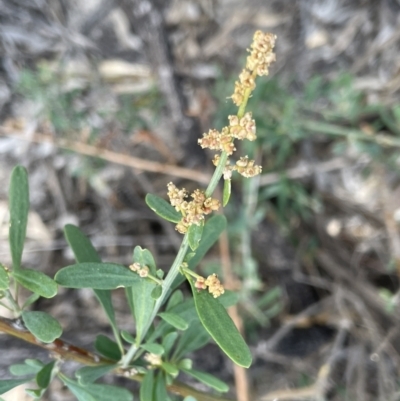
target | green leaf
x=34, y=363
x=101, y=276
x=210, y=381
x=105, y=392
x=128, y=337
x=30, y=300
x=43, y=326
x=19, y=208
x=37, y=282
x=228, y=298
x=139, y=295
x=84, y=251
x=189, y=398
x=157, y=291
x=185, y=364
x=7, y=385
x=194, y=235
x=170, y=369
x=220, y=326
x=44, y=377
x=22, y=369
x=160, y=390
x=145, y=258
x=89, y=374
x=194, y=338
x=153, y=348
x=169, y=341
x=4, y=278
x=212, y=230
x=227, y=192
x=78, y=391
x=36, y=393
x=174, y=320
x=163, y=208
x=175, y=299
x=147, y=387
x=107, y=347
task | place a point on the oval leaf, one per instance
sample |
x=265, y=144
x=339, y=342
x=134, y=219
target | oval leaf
x=153, y=348
x=194, y=235
x=4, y=278
x=210, y=381
x=169, y=341
x=220, y=326
x=43, y=326
x=107, y=347
x=44, y=377
x=90, y=374
x=128, y=337
x=101, y=276
x=145, y=258
x=147, y=386
x=174, y=320
x=37, y=282
x=157, y=291
x=7, y=385
x=105, y=392
x=22, y=369
x=164, y=209
x=227, y=192
x=170, y=369
x=19, y=208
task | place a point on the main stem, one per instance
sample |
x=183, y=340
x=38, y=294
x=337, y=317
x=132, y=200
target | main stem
x=174, y=271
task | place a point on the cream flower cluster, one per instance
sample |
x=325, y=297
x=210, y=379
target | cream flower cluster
x=193, y=212
x=142, y=271
x=258, y=62
x=215, y=288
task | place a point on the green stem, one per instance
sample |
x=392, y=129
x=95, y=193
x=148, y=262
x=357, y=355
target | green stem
x=15, y=307
x=166, y=285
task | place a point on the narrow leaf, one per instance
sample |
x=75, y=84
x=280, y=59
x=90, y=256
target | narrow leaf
x=44, y=377
x=194, y=235
x=163, y=208
x=174, y=320
x=84, y=251
x=4, y=278
x=77, y=390
x=36, y=281
x=227, y=192
x=147, y=387
x=105, y=392
x=153, y=348
x=43, y=326
x=160, y=391
x=175, y=299
x=101, y=276
x=89, y=374
x=220, y=326
x=210, y=381
x=169, y=341
x=139, y=295
x=107, y=347
x=7, y=385
x=19, y=208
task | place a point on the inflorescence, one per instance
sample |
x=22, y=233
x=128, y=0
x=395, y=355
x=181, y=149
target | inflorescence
x=241, y=126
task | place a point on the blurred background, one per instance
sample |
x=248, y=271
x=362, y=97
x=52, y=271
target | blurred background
x=103, y=101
